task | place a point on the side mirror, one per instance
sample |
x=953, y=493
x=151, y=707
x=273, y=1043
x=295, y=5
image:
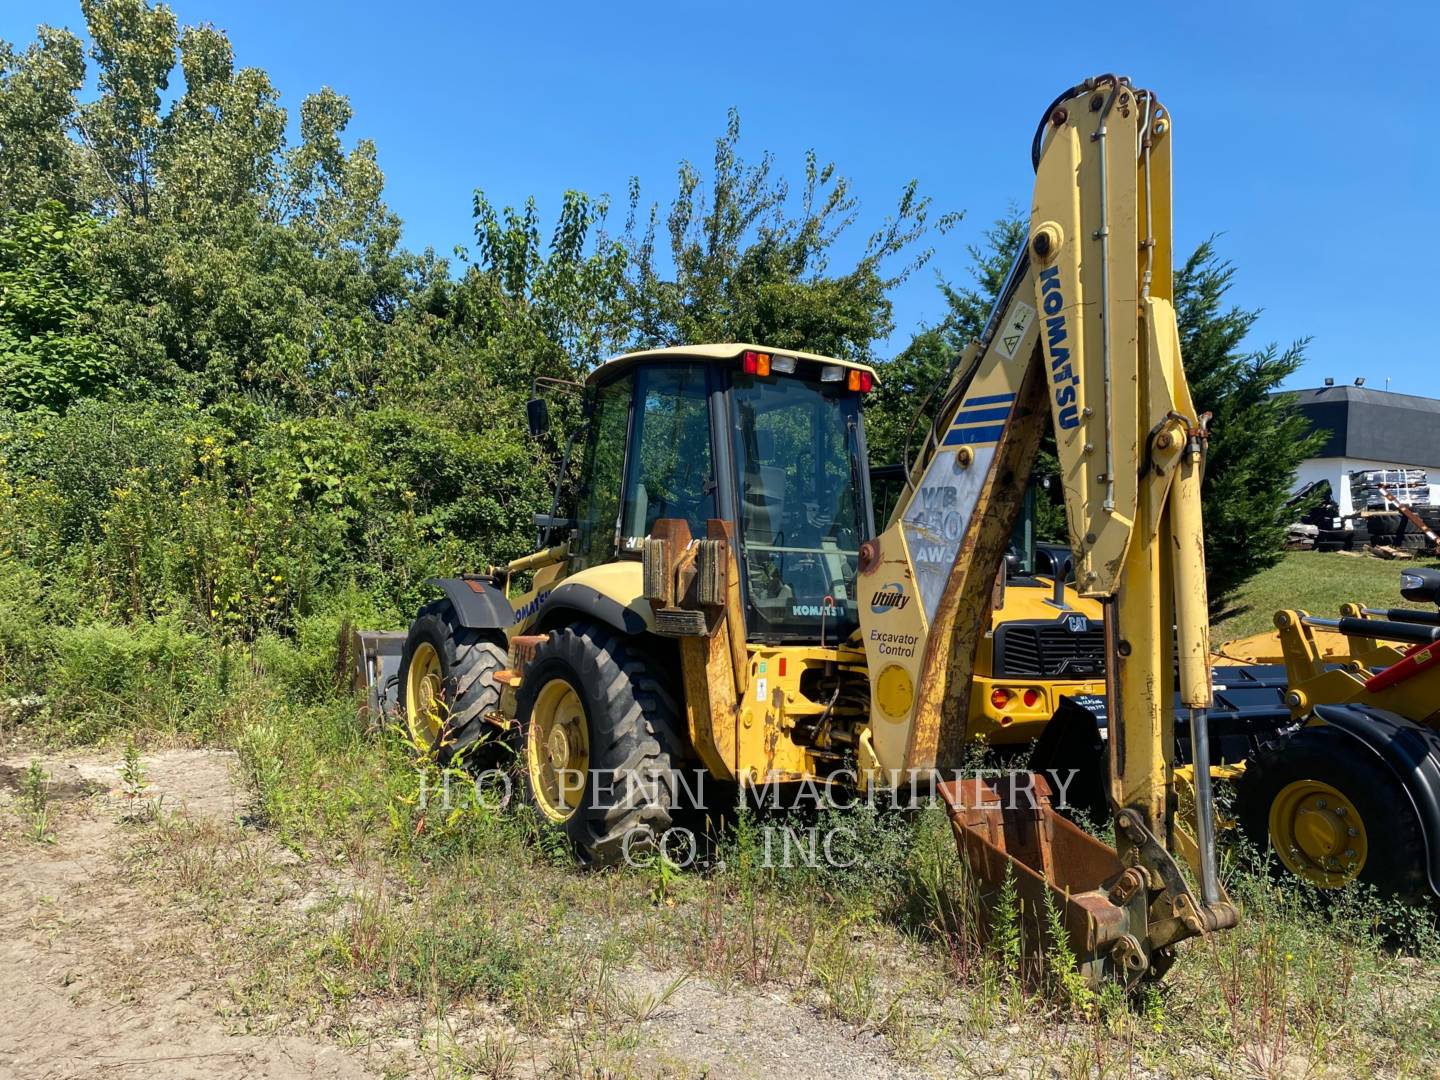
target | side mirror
x=1420, y=585
x=538, y=414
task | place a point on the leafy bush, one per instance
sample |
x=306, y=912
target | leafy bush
x=107, y=679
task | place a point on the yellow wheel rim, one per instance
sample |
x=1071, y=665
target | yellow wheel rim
x=1318, y=833
x=557, y=750
x=424, y=696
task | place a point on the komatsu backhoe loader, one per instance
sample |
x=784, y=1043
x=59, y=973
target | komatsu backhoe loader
x=716, y=600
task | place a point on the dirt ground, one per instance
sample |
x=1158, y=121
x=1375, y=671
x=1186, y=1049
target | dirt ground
x=78, y=996
x=92, y=982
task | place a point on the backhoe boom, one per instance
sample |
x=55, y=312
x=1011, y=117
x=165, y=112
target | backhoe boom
x=1085, y=334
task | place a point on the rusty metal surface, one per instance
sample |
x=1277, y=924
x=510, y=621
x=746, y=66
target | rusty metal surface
x=1122, y=914
x=1002, y=825
x=713, y=663
x=522, y=650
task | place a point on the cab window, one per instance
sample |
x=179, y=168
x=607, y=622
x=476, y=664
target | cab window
x=599, y=504
x=802, y=515
x=669, y=473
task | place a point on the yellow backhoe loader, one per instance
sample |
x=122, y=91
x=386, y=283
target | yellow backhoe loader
x=715, y=599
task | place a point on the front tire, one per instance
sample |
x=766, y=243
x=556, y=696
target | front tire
x=447, y=680
x=600, y=743
x=1333, y=814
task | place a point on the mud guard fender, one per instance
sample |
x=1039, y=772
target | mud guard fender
x=1411, y=753
x=579, y=598
x=479, y=605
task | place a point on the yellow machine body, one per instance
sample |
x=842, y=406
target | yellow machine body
x=1012, y=710
x=1312, y=677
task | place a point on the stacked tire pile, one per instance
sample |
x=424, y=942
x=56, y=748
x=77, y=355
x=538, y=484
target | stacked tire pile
x=1376, y=522
x=1393, y=530
x=1337, y=539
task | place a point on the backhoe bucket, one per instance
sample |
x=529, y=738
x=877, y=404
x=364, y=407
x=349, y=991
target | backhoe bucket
x=1121, y=916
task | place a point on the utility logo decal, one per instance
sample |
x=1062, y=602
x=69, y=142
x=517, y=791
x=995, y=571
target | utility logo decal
x=1014, y=329
x=889, y=598
x=1065, y=381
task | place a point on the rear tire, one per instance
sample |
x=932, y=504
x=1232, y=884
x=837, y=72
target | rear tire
x=600, y=743
x=447, y=683
x=1301, y=798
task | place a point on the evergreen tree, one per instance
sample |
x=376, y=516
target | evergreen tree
x=1257, y=437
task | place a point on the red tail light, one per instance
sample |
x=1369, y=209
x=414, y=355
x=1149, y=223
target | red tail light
x=862, y=381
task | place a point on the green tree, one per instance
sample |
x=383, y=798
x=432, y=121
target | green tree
x=49, y=353
x=226, y=391
x=555, y=310
x=133, y=45
x=38, y=160
x=219, y=146
x=1257, y=437
x=894, y=427
x=739, y=265
x=990, y=263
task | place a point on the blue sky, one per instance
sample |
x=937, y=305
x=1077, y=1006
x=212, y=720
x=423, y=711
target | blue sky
x=1303, y=132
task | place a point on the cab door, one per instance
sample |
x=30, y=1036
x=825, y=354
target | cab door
x=669, y=468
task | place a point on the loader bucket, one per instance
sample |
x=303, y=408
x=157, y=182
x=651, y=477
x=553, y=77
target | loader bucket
x=368, y=664
x=1121, y=919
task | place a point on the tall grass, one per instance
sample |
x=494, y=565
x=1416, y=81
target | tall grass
x=452, y=900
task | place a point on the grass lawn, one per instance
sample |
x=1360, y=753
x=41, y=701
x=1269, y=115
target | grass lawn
x=1314, y=581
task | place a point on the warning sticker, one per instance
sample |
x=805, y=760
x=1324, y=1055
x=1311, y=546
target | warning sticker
x=1013, y=330
x=761, y=689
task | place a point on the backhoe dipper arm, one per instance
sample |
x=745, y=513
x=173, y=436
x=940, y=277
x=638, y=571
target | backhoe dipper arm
x=1084, y=331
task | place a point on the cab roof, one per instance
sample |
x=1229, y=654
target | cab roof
x=712, y=353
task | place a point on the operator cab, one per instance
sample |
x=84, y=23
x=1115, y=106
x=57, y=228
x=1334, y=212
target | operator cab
x=771, y=440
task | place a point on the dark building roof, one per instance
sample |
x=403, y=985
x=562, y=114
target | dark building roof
x=1376, y=425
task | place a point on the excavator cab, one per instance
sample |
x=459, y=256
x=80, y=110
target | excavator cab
x=770, y=442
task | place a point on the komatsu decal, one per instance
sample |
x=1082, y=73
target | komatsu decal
x=524, y=611
x=1065, y=379
x=813, y=610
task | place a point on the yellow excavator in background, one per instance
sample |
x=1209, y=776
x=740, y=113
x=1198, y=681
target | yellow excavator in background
x=717, y=601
